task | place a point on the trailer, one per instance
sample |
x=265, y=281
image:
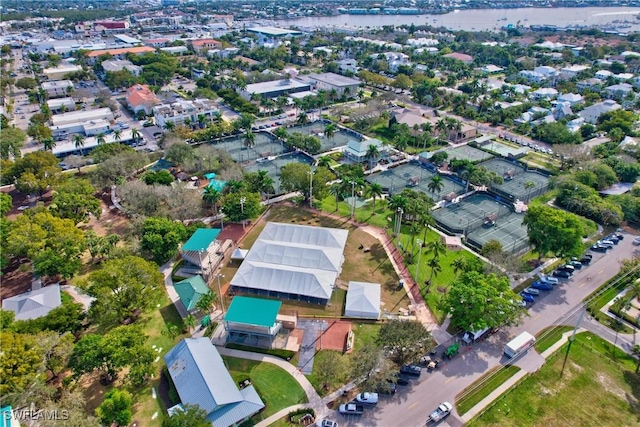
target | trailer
x=470, y=337
x=519, y=344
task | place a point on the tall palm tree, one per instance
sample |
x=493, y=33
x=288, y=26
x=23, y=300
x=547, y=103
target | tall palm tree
x=211, y=197
x=324, y=161
x=48, y=143
x=117, y=135
x=375, y=190
x=249, y=139
x=427, y=127
x=434, y=264
x=336, y=189
x=330, y=130
x=397, y=201
x=100, y=138
x=78, y=141
x=436, y=184
x=169, y=126
x=303, y=118
x=441, y=126
x=436, y=248
x=135, y=134
x=459, y=264
x=201, y=120
x=372, y=153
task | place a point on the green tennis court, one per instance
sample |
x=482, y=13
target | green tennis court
x=264, y=145
x=274, y=165
x=468, y=153
x=341, y=138
x=416, y=177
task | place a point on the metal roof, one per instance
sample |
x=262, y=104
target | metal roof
x=363, y=300
x=201, y=239
x=34, y=304
x=191, y=290
x=253, y=311
x=200, y=376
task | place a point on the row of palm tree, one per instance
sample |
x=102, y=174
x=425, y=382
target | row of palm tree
x=79, y=139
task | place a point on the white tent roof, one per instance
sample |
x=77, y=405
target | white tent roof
x=363, y=300
x=295, y=259
x=239, y=254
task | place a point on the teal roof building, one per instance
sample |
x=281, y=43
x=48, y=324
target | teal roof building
x=191, y=290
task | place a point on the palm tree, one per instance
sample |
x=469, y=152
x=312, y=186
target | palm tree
x=187, y=122
x=436, y=184
x=281, y=133
x=189, y=322
x=117, y=135
x=401, y=143
x=324, y=161
x=249, y=139
x=135, y=134
x=434, y=264
x=201, y=120
x=360, y=95
x=427, y=127
x=303, y=119
x=336, y=189
x=436, y=248
x=330, y=130
x=78, y=141
x=372, y=153
x=459, y=265
x=211, y=197
x=206, y=301
x=48, y=143
x=397, y=201
x=100, y=138
x=636, y=352
x=441, y=126
x=375, y=190
x=169, y=126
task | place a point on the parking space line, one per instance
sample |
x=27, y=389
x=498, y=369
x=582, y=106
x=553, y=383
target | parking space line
x=537, y=317
x=600, y=272
x=413, y=405
x=449, y=380
x=583, y=283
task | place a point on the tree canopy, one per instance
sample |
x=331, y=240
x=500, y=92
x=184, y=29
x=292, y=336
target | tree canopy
x=477, y=301
x=122, y=289
x=161, y=237
x=405, y=341
x=553, y=230
x=12, y=141
x=295, y=177
x=117, y=407
x=190, y=416
x=75, y=200
x=20, y=362
x=237, y=211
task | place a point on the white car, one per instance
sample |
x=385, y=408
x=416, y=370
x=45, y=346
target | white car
x=326, y=423
x=370, y=398
x=636, y=241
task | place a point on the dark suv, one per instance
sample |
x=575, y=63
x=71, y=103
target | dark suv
x=414, y=370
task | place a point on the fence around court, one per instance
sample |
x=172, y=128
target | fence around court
x=508, y=230
x=273, y=167
x=341, y=137
x=469, y=153
x=517, y=187
x=396, y=179
x=264, y=145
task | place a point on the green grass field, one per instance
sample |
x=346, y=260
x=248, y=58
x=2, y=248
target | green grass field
x=275, y=386
x=594, y=390
x=550, y=336
x=483, y=387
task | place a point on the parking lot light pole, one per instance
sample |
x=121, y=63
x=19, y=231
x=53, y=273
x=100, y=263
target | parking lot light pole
x=242, y=200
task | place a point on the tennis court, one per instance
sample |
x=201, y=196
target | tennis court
x=273, y=166
x=341, y=138
x=523, y=187
x=414, y=176
x=466, y=152
x=470, y=217
x=265, y=145
x=503, y=167
x=504, y=150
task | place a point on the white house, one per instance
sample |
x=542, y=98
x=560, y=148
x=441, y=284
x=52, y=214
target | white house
x=548, y=72
x=183, y=111
x=571, y=98
x=603, y=74
x=57, y=89
x=347, y=66
x=619, y=90
x=544, y=93
x=532, y=76
x=591, y=113
x=575, y=124
x=572, y=71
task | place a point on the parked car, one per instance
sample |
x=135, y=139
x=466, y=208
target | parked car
x=550, y=280
x=351, y=409
x=400, y=379
x=531, y=291
x=576, y=264
x=606, y=243
x=585, y=260
x=563, y=274
x=414, y=370
x=612, y=238
x=367, y=397
x=527, y=297
x=326, y=423
x=601, y=248
x=636, y=241
x=542, y=286
x=567, y=267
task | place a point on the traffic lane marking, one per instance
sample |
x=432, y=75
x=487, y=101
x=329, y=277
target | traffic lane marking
x=601, y=271
x=449, y=380
x=413, y=405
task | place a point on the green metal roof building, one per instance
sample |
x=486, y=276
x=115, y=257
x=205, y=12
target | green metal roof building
x=190, y=291
x=252, y=321
x=201, y=239
x=201, y=248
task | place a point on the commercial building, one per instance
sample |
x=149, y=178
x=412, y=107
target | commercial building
x=113, y=65
x=159, y=42
x=201, y=379
x=274, y=89
x=273, y=36
x=203, y=45
x=58, y=88
x=252, y=321
x=120, y=53
x=343, y=85
x=61, y=104
x=68, y=147
x=89, y=123
x=175, y=50
x=183, y=111
x=295, y=262
x=59, y=73
x=141, y=98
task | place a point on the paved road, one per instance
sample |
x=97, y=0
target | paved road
x=411, y=405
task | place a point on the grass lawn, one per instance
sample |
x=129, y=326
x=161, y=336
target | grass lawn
x=275, y=386
x=483, y=387
x=592, y=388
x=550, y=336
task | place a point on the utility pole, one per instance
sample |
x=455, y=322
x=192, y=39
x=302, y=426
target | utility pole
x=242, y=200
x=571, y=339
x=419, y=242
x=353, y=199
x=311, y=188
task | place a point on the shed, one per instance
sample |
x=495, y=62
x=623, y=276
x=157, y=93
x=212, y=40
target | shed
x=190, y=291
x=363, y=300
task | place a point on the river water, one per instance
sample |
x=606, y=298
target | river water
x=622, y=19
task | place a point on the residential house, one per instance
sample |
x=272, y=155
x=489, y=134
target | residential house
x=548, y=72
x=491, y=69
x=531, y=115
x=183, y=112
x=347, y=66
x=521, y=89
x=570, y=98
x=572, y=71
x=618, y=91
x=561, y=110
x=114, y=65
x=141, y=98
x=589, y=84
x=34, y=304
x=463, y=57
x=356, y=151
x=423, y=42
x=394, y=59
x=591, y=113
x=159, y=42
x=575, y=124
x=58, y=88
x=544, y=93
x=202, y=252
x=532, y=76
x=228, y=52
x=59, y=73
x=203, y=45
x=272, y=36
x=623, y=77
x=603, y=74
x=190, y=291
x=201, y=379
x=636, y=81
x=629, y=144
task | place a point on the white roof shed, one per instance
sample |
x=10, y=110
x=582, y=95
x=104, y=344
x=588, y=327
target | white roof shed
x=363, y=300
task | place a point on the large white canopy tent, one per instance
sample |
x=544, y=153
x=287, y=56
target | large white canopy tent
x=293, y=262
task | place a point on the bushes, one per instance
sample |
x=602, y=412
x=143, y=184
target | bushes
x=283, y=354
x=173, y=393
x=296, y=416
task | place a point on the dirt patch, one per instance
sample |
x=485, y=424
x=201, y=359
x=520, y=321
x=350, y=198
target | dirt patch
x=16, y=278
x=111, y=220
x=609, y=385
x=233, y=232
x=335, y=337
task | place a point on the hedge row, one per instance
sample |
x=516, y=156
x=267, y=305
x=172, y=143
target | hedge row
x=283, y=354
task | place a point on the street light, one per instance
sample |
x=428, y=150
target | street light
x=221, y=219
x=242, y=201
x=310, y=188
x=353, y=199
x=419, y=242
x=220, y=296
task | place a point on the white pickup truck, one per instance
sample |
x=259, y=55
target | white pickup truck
x=442, y=411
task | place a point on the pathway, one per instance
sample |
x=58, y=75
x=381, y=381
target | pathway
x=166, y=270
